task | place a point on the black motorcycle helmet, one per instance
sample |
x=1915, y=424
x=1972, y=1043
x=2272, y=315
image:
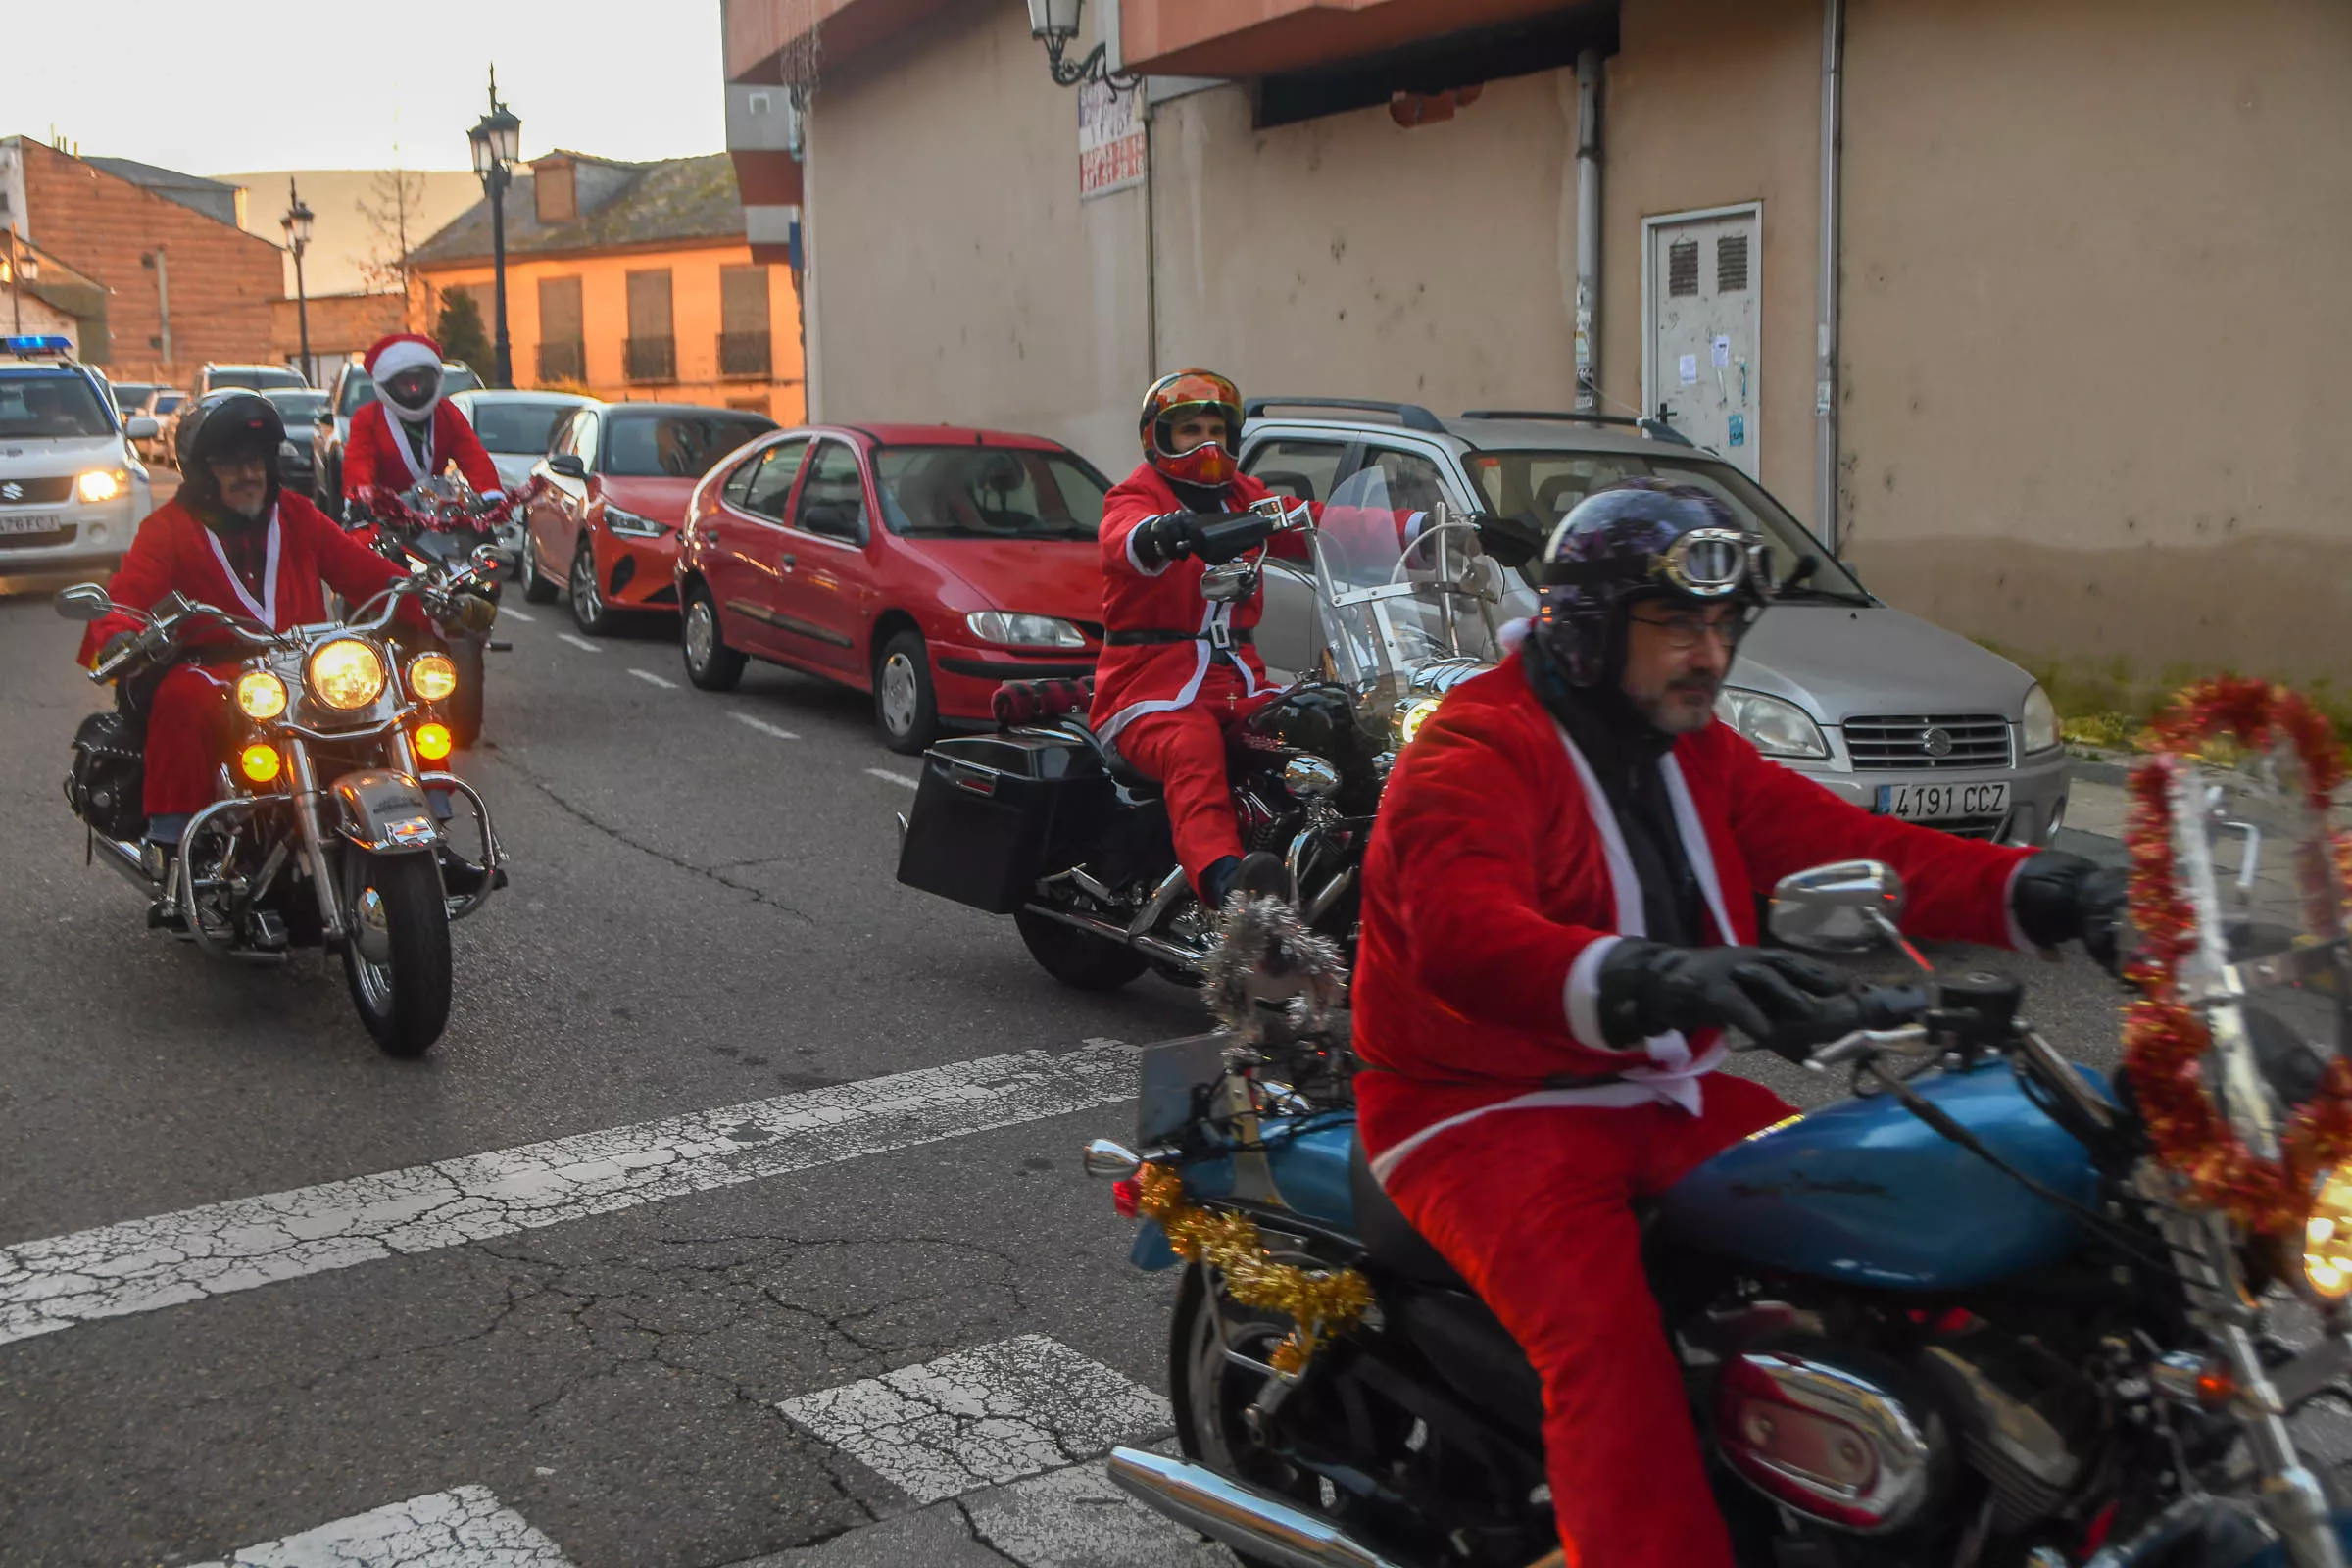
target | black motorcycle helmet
x=226, y=424
x=1634, y=540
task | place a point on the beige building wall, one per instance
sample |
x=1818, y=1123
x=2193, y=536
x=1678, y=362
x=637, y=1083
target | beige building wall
x=2095, y=326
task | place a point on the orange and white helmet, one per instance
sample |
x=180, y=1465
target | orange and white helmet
x=1172, y=400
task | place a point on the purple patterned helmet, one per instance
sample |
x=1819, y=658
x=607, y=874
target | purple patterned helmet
x=1641, y=539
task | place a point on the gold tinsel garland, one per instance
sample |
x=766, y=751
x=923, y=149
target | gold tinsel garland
x=1320, y=1303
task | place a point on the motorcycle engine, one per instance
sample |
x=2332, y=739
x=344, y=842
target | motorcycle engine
x=1835, y=1432
x=2028, y=1421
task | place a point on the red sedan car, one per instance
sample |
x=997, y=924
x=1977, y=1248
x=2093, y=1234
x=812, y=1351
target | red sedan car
x=926, y=564
x=608, y=498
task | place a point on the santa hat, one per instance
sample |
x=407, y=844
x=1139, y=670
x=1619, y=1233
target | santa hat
x=401, y=350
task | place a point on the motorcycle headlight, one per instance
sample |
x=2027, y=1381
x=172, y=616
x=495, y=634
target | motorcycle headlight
x=433, y=676
x=102, y=484
x=1412, y=716
x=260, y=695
x=1774, y=727
x=2327, y=1237
x=1023, y=631
x=2041, y=721
x=629, y=525
x=346, y=673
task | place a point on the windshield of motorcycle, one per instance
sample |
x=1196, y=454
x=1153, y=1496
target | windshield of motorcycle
x=1399, y=594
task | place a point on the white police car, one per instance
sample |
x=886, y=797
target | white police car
x=73, y=490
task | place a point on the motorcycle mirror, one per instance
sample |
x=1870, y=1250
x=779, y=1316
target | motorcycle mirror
x=491, y=558
x=1117, y=1161
x=85, y=601
x=1850, y=907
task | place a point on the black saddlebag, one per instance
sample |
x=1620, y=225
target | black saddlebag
x=995, y=813
x=107, y=784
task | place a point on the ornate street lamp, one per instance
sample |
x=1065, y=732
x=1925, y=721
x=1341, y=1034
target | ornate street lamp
x=1055, y=22
x=297, y=224
x=497, y=139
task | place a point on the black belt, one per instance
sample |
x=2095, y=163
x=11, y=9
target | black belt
x=1138, y=638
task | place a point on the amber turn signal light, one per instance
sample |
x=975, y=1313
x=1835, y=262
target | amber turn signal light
x=259, y=763
x=433, y=742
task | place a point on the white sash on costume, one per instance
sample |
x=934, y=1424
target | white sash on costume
x=264, y=608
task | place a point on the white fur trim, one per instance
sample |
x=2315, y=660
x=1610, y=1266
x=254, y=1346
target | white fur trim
x=1136, y=561
x=1582, y=994
x=264, y=608
x=1183, y=699
x=1623, y=882
x=399, y=443
x=2017, y=933
x=1696, y=849
x=398, y=357
x=1515, y=632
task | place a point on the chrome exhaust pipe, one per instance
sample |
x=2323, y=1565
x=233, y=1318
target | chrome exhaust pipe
x=125, y=857
x=1149, y=946
x=1239, y=1516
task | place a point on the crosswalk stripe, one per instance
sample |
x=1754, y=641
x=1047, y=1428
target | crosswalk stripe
x=464, y=1528
x=980, y=1417
x=652, y=679
x=523, y=615
x=887, y=777
x=763, y=726
x=147, y=1264
x=580, y=643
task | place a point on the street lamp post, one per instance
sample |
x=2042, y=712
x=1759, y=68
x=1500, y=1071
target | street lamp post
x=297, y=224
x=496, y=138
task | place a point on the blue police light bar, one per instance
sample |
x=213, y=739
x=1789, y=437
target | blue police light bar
x=50, y=343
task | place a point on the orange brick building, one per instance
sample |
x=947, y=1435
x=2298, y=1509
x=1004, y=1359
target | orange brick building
x=182, y=287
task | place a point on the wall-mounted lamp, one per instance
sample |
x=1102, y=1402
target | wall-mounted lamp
x=1056, y=23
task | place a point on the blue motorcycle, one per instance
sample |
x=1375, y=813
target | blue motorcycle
x=1961, y=1317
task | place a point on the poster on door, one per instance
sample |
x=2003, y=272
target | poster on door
x=1111, y=140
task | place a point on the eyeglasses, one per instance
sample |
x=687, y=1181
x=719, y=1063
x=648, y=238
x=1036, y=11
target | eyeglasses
x=1682, y=633
x=248, y=463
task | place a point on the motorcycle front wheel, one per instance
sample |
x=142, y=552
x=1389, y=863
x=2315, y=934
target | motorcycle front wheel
x=396, y=949
x=1077, y=959
x=466, y=703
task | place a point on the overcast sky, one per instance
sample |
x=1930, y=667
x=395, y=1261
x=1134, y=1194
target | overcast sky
x=208, y=86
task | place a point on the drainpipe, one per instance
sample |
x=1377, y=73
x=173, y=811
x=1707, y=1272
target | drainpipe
x=1588, y=228
x=1824, y=366
x=163, y=306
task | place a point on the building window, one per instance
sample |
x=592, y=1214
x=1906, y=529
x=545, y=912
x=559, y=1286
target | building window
x=562, y=338
x=555, y=191
x=1682, y=269
x=652, y=350
x=1731, y=264
x=743, y=343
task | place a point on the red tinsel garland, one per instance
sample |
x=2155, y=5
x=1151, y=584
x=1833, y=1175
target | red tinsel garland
x=2165, y=1040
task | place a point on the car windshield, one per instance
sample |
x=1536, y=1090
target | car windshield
x=128, y=395
x=675, y=446
x=359, y=389
x=505, y=426
x=166, y=402
x=253, y=377
x=1540, y=487
x=968, y=492
x=298, y=406
x=50, y=403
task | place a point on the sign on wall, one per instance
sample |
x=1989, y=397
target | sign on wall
x=1111, y=139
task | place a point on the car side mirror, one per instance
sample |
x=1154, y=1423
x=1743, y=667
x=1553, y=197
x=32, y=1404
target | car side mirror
x=1850, y=907
x=83, y=602
x=568, y=464
x=140, y=428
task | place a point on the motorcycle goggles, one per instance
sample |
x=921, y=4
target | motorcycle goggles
x=1703, y=564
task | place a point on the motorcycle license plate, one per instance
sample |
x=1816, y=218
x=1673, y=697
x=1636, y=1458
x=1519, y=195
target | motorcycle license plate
x=1943, y=802
x=31, y=521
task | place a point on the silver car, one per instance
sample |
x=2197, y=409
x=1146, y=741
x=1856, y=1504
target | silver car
x=1888, y=711
x=72, y=491
x=514, y=428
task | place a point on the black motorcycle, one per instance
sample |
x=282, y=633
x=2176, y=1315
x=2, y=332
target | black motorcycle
x=438, y=524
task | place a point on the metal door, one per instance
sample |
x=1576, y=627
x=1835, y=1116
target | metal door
x=1702, y=279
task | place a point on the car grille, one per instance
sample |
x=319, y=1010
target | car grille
x=1929, y=741
x=35, y=492
x=1971, y=827
x=37, y=541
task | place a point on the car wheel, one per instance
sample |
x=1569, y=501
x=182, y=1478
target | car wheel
x=538, y=587
x=905, y=708
x=588, y=611
x=711, y=663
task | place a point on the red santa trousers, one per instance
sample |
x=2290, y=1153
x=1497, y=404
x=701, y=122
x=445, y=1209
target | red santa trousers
x=188, y=733
x=1184, y=749
x=1533, y=1207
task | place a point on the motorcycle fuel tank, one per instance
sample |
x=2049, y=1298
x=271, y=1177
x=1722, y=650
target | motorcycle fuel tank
x=1864, y=1193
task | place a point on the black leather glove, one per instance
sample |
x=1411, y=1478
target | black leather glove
x=1511, y=541
x=1169, y=537
x=1226, y=535
x=2059, y=897
x=1648, y=988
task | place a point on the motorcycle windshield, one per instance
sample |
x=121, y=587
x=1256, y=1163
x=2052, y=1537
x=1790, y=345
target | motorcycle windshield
x=1406, y=598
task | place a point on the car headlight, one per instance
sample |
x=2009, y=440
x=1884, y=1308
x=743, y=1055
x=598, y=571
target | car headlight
x=1023, y=631
x=1775, y=727
x=287, y=449
x=2327, y=1237
x=2041, y=721
x=102, y=484
x=346, y=673
x=1412, y=716
x=433, y=676
x=260, y=695
x=629, y=525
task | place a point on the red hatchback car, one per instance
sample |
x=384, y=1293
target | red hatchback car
x=926, y=564
x=608, y=498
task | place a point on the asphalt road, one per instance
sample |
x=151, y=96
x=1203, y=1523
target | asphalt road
x=526, y=1354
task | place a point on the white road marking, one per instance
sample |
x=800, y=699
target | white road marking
x=763, y=726
x=887, y=777
x=466, y=1528
x=581, y=643
x=652, y=679
x=525, y=616
x=981, y=1417
x=146, y=1264
x=1075, y=1518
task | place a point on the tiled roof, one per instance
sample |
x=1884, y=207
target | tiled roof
x=620, y=204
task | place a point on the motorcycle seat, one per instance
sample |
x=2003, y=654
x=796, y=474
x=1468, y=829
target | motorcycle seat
x=1388, y=1236
x=1143, y=786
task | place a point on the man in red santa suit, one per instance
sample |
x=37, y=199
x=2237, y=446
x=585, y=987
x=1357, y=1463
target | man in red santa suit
x=1559, y=925
x=229, y=539
x=1177, y=669
x=408, y=432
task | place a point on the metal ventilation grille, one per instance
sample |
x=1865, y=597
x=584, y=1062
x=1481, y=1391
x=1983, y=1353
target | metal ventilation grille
x=1682, y=268
x=1928, y=741
x=1731, y=264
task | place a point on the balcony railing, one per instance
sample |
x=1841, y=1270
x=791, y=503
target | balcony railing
x=651, y=359
x=562, y=362
x=745, y=355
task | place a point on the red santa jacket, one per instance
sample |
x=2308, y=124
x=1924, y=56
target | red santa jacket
x=1497, y=879
x=175, y=552
x=1133, y=680
x=378, y=455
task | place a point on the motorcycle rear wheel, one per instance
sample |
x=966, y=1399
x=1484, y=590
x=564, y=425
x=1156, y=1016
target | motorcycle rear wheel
x=1077, y=959
x=395, y=956
x=1210, y=1396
